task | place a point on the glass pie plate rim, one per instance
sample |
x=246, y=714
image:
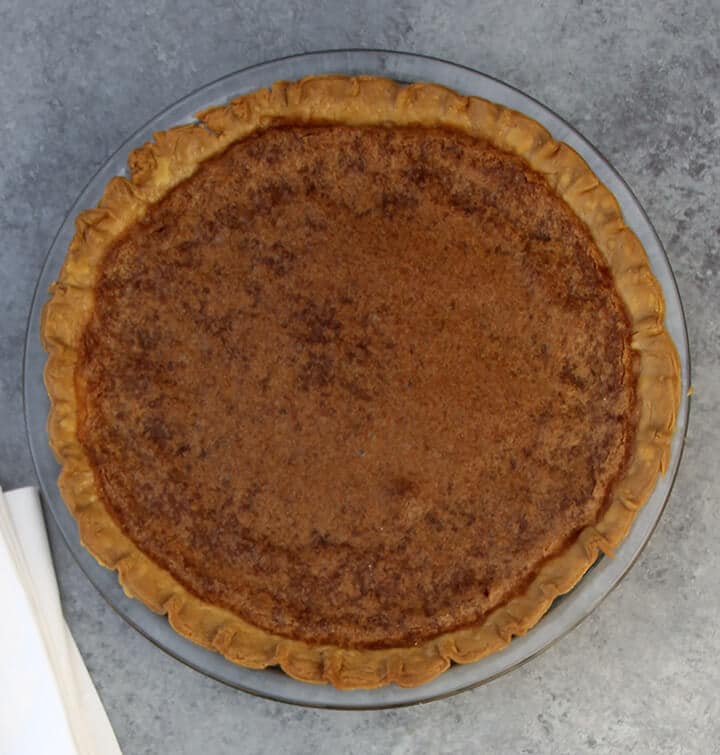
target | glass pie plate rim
x=569, y=610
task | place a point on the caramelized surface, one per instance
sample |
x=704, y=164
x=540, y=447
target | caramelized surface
x=356, y=384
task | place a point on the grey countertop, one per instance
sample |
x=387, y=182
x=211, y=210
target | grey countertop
x=641, y=81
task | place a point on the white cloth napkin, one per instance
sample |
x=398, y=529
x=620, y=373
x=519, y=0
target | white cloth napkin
x=48, y=703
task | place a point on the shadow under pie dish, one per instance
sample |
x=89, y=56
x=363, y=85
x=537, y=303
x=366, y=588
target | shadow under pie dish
x=355, y=378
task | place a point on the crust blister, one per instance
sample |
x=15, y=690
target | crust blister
x=173, y=156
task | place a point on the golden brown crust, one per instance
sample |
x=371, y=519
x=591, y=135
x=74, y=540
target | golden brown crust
x=173, y=156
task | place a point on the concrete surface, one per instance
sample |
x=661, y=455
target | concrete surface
x=641, y=80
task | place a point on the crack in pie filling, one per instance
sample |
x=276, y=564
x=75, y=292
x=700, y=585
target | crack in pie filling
x=356, y=378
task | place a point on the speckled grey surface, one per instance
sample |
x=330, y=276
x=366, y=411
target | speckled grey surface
x=640, y=80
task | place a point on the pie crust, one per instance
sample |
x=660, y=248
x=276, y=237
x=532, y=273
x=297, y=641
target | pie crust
x=156, y=168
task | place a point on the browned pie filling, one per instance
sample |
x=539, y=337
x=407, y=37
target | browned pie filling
x=356, y=385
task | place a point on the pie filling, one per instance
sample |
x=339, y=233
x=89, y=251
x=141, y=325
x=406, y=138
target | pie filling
x=356, y=385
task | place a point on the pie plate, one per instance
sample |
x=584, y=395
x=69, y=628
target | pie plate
x=568, y=611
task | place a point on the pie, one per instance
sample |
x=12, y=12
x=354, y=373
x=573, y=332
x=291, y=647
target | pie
x=355, y=378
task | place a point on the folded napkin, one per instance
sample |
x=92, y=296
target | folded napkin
x=49, y=703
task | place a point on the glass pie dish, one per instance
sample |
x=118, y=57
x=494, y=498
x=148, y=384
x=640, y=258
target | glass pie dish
x=567, y=611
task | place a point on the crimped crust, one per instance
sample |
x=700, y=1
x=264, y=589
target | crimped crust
x=362, y=101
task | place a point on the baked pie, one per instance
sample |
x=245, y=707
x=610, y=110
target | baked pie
x=355, y=378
